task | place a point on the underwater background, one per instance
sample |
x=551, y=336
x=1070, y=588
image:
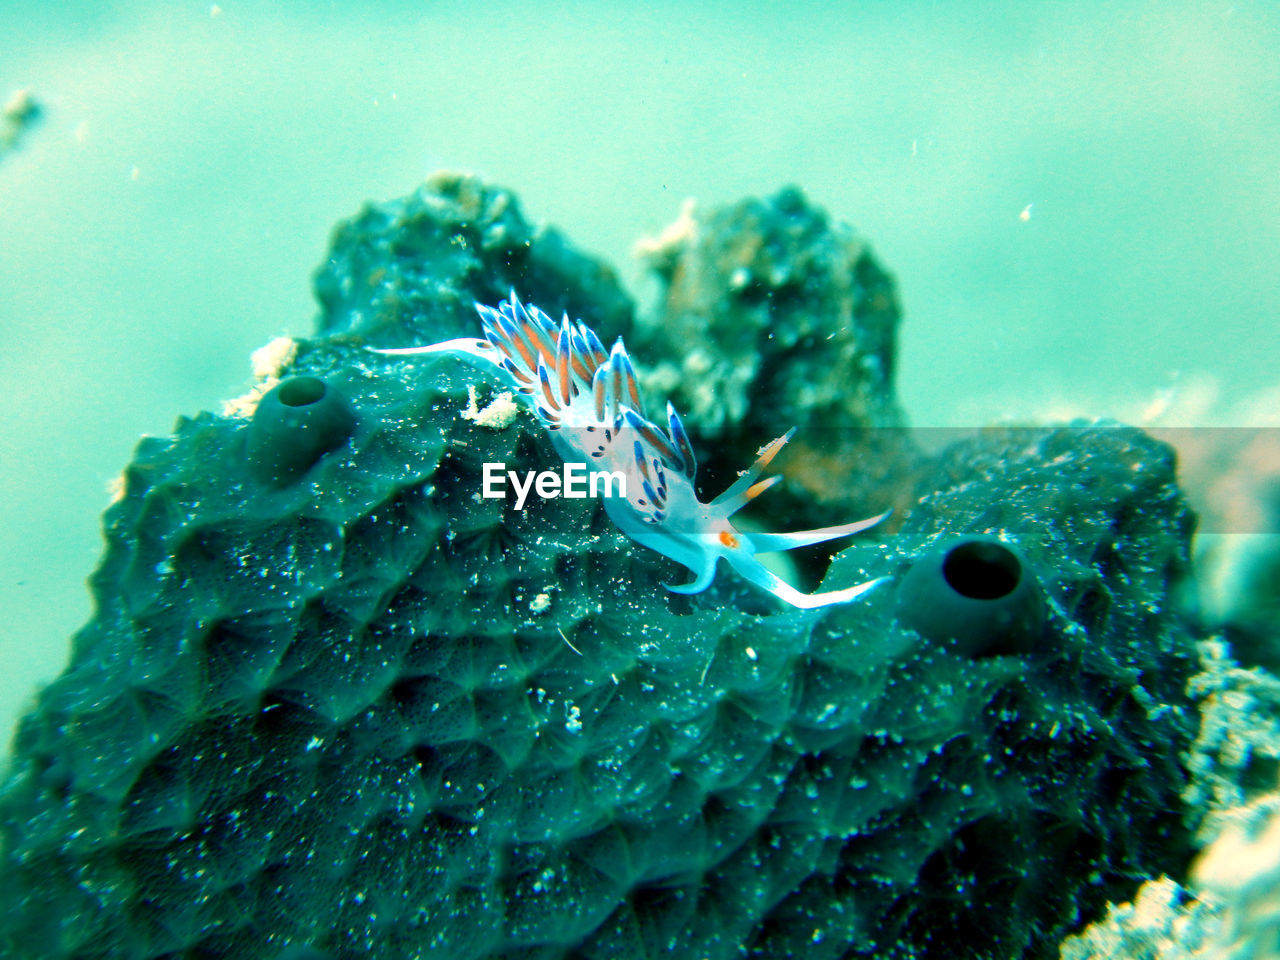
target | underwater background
x=162, y=218
x=1078, y=202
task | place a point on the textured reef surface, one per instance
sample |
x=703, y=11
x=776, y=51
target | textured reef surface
x=332, y=703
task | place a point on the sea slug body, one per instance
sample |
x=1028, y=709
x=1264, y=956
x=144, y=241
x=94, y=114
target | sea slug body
x=589, y=401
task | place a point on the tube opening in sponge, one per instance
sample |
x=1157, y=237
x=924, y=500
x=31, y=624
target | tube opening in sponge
x=982, y=570
x=301, y=391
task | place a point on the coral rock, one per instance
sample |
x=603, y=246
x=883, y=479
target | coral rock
x=369, y=713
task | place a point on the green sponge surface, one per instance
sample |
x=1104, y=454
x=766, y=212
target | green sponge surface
x=368, y=713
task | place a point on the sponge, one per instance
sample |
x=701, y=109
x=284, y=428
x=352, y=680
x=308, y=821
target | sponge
x=333, y=702
x=296, y=423
x=977, y=591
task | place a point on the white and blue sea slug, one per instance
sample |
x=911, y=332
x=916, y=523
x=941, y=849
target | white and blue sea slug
x=588, y=399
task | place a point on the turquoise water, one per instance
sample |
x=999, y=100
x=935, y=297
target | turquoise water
x=1079, y=200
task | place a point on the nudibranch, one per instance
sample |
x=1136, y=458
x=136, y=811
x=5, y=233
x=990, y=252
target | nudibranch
x=588, y=400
